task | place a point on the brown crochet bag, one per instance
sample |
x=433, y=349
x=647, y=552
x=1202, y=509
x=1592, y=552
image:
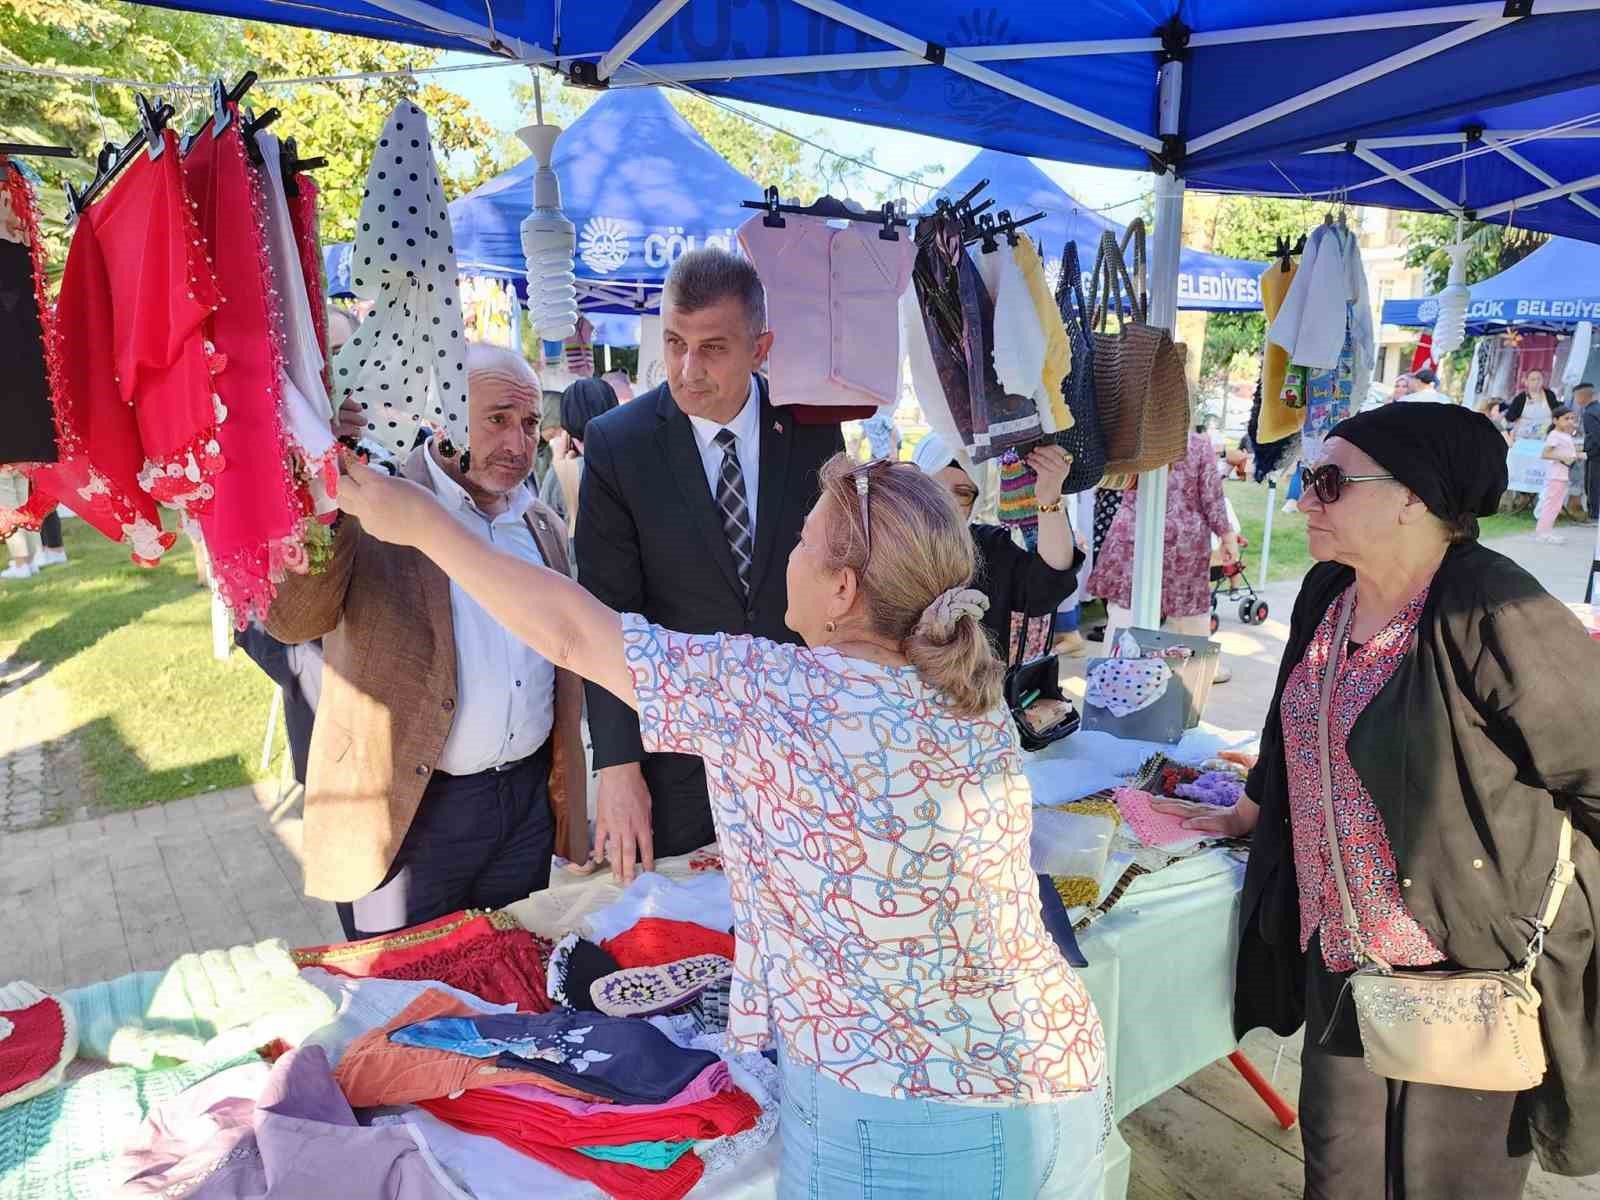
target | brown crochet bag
x=1138, y=371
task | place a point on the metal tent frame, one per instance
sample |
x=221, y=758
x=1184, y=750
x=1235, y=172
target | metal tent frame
x=1179, y=101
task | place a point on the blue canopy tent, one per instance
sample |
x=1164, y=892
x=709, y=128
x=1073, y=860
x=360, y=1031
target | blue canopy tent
x=1552, y=289
x=1228, y=94
x=1208, y=282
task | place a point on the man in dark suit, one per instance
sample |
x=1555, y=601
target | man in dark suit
x=692, y=497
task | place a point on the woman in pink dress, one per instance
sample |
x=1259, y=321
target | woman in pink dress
x=1195, y=511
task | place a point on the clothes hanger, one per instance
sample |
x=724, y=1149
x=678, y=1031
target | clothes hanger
x=829, y=208
x=112, y=159
x=28, y=150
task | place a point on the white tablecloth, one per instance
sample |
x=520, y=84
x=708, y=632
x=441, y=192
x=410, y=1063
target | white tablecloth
x=1160, y=962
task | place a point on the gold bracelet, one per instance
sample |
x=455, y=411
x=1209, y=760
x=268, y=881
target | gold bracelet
x=1047, y=508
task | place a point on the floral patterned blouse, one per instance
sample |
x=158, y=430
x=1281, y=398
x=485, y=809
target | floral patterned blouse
x=1196, y=509
x=1369, y=867
x=886, y=916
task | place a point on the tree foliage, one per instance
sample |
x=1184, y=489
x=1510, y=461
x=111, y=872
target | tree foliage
x=1248, y=227
x=338, y=121
x=1429, y=237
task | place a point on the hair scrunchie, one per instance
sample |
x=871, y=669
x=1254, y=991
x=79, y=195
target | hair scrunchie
x=939, y=618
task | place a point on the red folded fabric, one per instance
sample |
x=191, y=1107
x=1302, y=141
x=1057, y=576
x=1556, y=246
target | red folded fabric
x=654, y=941
x=829, y=414
x=33, y=1046
x=727, y=1112
x=622, y=1181
x=487, y=954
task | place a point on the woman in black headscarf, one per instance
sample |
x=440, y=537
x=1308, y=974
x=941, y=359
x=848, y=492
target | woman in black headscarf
x=1464, y=720
x=582, y=402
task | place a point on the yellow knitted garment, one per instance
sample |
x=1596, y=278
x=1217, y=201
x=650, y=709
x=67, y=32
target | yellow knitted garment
x=1277, y=420
x=1057, y=346
x=1076, y=890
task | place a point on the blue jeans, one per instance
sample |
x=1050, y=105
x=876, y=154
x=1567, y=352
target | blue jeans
x=840, y=1144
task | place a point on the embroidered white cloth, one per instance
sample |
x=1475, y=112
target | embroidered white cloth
x=407, y=362
x=307, y=411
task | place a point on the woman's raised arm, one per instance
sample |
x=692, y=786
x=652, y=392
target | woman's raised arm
x=544, y=608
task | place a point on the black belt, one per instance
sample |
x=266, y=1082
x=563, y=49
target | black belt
x=541, y=755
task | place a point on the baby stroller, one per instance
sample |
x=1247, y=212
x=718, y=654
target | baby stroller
x=1230, y=583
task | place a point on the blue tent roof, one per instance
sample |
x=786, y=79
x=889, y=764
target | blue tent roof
x=1555, y=287
x=1263, y=81
x=1205, y=281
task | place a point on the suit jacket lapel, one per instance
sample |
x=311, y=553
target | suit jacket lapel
x=777, y=436
x=681, y=452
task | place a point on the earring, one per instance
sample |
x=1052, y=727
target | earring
x=830, y=627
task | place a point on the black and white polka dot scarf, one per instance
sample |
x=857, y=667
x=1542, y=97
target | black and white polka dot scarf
x=407, y=362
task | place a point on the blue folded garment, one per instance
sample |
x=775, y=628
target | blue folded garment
x=1054, y=912
x=620, y=1058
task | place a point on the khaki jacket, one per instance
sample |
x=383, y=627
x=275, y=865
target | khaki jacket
x=389, y=697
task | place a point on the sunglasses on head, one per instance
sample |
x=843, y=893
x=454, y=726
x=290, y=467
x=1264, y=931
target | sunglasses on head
x=1328, y=481
x=862, y=476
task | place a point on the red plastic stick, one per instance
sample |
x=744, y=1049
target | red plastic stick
x=1279, y=1106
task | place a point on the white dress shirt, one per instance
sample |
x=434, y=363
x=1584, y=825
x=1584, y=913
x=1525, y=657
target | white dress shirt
x=746, y=428
x=505, y=691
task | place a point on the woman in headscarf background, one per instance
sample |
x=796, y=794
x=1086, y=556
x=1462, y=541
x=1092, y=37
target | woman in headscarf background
x=1024, y=587
x=1461, y=725
x=582, y=402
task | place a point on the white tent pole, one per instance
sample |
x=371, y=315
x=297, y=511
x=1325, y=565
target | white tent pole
x=1266, y=528
x=1405, y=180
x=953, y=61
x=1345, y=83
x=1555, y=193
x=653, y=20
x=1539, y=173
x=1150, y=515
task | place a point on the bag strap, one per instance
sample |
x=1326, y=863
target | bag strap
x=1139, y=281
x=1072, y=284
x=1555, y=890
x=1330, y=677
x=1562, y=874
x=1110, y=287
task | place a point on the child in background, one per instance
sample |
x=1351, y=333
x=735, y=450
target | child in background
x=1560, y=451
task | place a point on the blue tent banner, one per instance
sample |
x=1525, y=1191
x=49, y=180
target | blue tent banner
x=1554, y=288
x=1205, y=281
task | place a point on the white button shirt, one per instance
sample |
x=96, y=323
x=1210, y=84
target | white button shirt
x=505, y=691
x=747, y=429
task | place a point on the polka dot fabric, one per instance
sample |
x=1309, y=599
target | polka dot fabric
x=408, y=360
x=1123, y=686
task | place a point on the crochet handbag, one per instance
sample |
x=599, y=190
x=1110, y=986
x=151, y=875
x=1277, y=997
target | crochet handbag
x=1138, y=371
x=1084, y=441
x=1464, y=1029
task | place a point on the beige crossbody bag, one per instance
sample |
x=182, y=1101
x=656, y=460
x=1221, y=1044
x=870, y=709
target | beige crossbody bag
x=1465, y=1029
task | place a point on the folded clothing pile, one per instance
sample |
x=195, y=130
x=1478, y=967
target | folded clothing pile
x=487, y=954
x=215, y=1004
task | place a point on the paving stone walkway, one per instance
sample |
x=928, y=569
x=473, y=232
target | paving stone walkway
x=42, y=780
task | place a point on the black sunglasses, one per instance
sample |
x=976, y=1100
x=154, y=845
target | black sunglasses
x=1328, y=481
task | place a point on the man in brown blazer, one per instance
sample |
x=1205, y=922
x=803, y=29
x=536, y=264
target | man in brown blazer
x=446, y=761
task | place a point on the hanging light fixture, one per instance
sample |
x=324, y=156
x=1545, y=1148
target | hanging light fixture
x=1450, y=326
x=548, y=238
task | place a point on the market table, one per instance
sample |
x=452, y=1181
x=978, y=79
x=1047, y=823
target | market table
x=1160, y=961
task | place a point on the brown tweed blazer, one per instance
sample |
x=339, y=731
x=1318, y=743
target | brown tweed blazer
x=389, y=697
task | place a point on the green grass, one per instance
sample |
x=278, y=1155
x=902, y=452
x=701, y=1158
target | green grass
x=157, y=716
x=1290, y=558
